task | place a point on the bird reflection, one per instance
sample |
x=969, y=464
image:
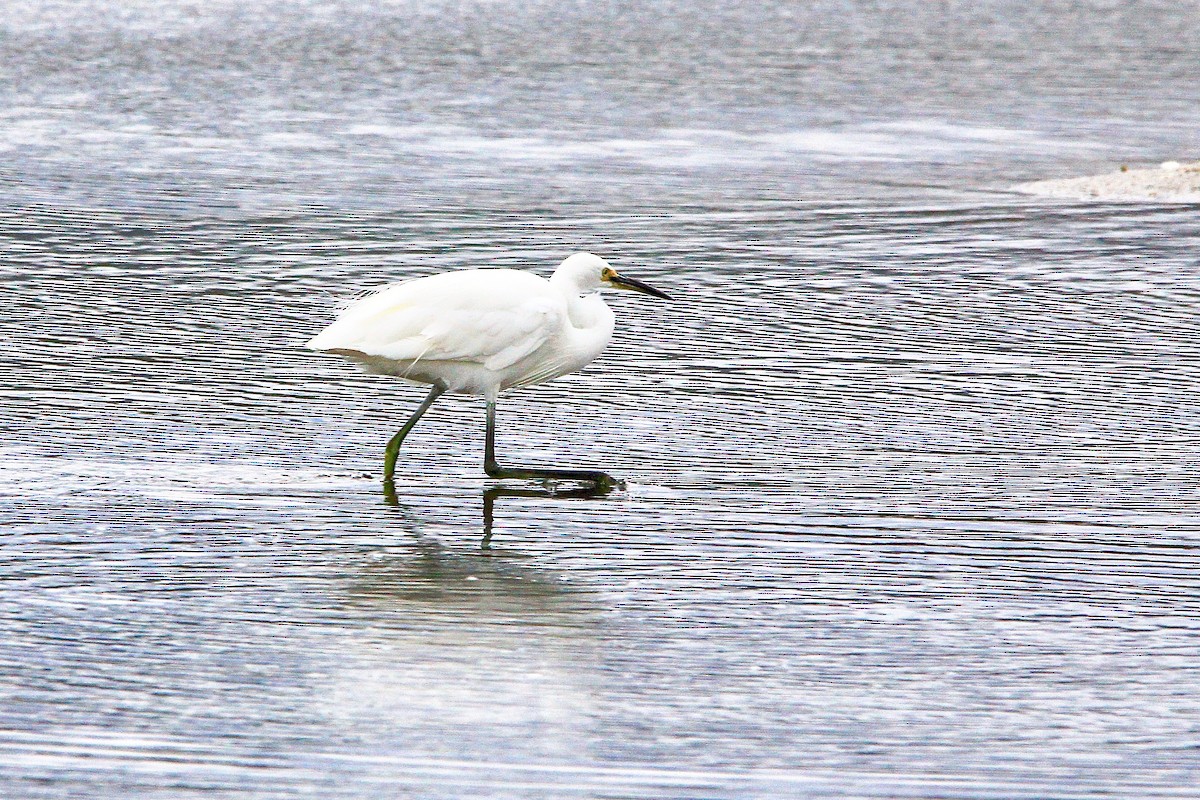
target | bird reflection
x=492, y=493
x=477, y=584
x=466, y=650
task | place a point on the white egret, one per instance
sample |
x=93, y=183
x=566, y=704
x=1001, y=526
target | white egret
x=479, y=332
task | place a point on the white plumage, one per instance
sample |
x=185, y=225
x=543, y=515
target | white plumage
x=481, y=331
x=477, y=331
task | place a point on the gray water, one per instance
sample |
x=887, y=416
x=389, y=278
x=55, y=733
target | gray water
x=913, y=461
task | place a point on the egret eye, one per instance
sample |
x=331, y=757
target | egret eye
x=607, y=274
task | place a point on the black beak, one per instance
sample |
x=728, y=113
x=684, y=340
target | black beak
x=621, y=282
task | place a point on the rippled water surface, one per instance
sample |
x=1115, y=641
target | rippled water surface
x=913, y=460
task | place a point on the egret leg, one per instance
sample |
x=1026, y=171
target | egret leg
x=601, y=480
x=393, y=446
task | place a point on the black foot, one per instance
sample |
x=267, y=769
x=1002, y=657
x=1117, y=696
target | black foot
x=601, y=481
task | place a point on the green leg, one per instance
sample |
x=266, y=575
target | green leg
x=393, y=447
x=601, y=480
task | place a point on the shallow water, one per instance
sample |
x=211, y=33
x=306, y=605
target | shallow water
x=913, y=505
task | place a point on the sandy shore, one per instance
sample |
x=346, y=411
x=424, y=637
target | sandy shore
x=1172, y=181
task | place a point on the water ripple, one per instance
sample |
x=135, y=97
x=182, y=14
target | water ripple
x=912, y=461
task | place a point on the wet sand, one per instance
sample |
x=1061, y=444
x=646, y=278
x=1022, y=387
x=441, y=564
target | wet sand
x=1171, y=181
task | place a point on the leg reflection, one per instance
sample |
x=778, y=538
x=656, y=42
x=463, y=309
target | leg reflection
x=389, y=494
x=490, y=494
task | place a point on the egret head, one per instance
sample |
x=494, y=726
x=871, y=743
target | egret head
x=589, y=272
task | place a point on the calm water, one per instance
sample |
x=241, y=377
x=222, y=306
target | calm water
x=914, y=462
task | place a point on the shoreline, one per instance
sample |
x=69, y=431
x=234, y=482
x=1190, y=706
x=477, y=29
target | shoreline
x=1172, y=181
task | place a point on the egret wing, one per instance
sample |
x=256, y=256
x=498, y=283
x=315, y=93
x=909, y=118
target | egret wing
x=490, y=317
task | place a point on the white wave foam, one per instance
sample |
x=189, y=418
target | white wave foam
x=24, y=476
x=915, y=139
x=295, y=141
